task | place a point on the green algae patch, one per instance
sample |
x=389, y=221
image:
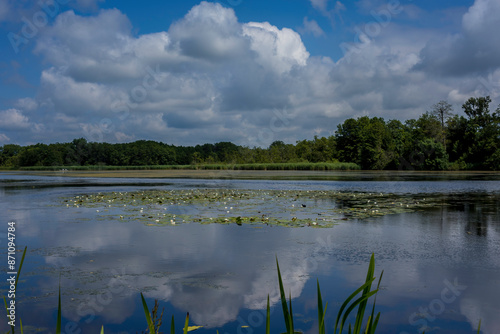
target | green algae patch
x=289, y=208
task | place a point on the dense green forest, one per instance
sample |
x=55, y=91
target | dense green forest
x=437, y=140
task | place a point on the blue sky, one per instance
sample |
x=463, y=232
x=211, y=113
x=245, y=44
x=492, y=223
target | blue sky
x=250, y=72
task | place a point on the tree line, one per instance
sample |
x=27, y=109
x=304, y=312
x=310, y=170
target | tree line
x=437, y=140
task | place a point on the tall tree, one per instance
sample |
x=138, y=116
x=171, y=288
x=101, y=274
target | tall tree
x=442, y=110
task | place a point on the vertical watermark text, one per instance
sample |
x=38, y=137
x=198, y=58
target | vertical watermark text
x=11, y=273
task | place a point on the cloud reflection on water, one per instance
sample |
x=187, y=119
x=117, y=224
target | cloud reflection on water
x=215, y=271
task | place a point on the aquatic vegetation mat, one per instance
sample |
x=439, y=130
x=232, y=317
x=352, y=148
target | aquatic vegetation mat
x=292, y=208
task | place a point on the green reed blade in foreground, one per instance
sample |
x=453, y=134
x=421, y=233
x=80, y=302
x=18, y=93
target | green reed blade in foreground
x=148, y=315
x=20, y=267
x=346, y=302
x=356, y=303
x=102, y=330
x=362, y=305
x=59, y=318
x=186, y=323
x=172, y=326
x=321, y=314
x=292, y=328
x=372, y=324
x=286, y=314
x=268, y=317
x=321, y=311
x=342, y=316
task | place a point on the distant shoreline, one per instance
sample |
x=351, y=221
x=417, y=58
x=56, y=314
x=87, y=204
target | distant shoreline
x=262, y=174
x=183, y=173
x=298, y=166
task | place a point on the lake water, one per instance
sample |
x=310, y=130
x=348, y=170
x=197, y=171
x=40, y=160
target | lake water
x=441, y=262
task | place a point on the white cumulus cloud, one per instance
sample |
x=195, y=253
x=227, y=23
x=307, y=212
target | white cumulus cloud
x=209, y=77
x=277, y=50
x=476, y=49
x=13, y=119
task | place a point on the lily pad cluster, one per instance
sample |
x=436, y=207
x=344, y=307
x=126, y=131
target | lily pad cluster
x=292, y=208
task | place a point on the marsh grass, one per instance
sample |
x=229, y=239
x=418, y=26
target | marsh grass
x=310, y=166
x=154, y=320
x=345, y=310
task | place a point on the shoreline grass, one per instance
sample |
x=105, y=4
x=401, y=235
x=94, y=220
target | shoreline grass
x=309, y=166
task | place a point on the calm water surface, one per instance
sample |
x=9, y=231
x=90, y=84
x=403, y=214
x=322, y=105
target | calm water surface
x=441, y=265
